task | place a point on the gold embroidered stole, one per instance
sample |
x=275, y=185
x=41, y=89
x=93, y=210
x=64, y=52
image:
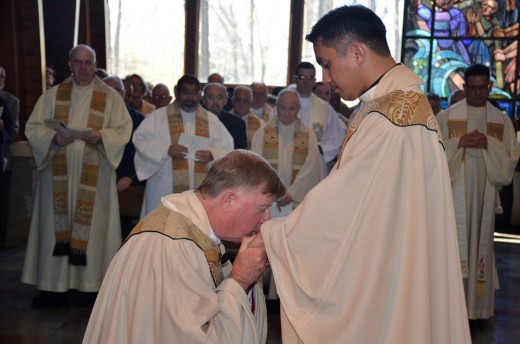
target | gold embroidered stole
x=267, y=110
x=458, y=128
x=178, y=227
x=318, y=116
x=253, y=124
x=73, y=242
x=300, y=144
x=401, y=108
x=181, y=176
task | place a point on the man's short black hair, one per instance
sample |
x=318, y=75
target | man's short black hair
x=187, y=79
x=319, y=83
x=433, y=95
x=477, y=70
x=304, y=65
x=346, y=24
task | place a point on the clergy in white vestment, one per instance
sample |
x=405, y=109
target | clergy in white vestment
x=259, y=105
x=242, y=100
x=291, y=148
x=482, y=152
x=370, y=255
x=167, y=162
x=318, y=115
x=75, y=229
x=169, y=281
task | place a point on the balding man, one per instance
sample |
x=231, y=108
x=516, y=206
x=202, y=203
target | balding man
x=75, y=228
x=213, y=99
x=242, y=100
x=161, y=96
x=216, y=78
x=259, y=104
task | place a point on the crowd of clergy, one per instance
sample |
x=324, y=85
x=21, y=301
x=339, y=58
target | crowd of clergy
x=169, y=142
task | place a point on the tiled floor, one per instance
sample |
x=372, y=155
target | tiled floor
x=21, y=322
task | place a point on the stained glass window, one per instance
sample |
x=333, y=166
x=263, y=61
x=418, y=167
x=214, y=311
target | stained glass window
x=443, y=37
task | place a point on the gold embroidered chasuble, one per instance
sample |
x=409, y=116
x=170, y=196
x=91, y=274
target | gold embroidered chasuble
x=386, y=215
x=171, y=255
x=179, y=227
x=401, y=108
x=181, y=176
x=74, y=242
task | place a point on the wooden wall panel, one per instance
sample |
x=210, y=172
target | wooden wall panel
x=20, y=53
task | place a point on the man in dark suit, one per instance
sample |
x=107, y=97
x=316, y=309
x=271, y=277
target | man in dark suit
x=214, y=99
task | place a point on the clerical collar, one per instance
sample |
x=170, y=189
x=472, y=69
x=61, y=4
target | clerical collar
x=188, y=113
x=214, y=239
x=369, y=93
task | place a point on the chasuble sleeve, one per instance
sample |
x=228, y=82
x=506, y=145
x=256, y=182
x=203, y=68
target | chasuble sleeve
x=117, y=128
x=39, y=136
x=334, y=135
x=501, y=157
x=152, y=141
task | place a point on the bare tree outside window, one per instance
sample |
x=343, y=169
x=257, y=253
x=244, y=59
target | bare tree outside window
x=146, y=38
x=244, y=41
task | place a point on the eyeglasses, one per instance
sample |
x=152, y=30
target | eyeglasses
x=475, y=88
x=161, y=96
x=241, y=100
x=214, y=97
x=305, y=77
x=83, y=63
x=189, y=93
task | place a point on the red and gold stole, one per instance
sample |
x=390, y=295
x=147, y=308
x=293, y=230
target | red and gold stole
x=73, y=241
x=181, y=176
x=300, y=144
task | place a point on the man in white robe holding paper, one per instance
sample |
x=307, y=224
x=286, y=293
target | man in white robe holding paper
x=482, y=152
x=370, y=255
x=162, y=156
x=75, y=229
